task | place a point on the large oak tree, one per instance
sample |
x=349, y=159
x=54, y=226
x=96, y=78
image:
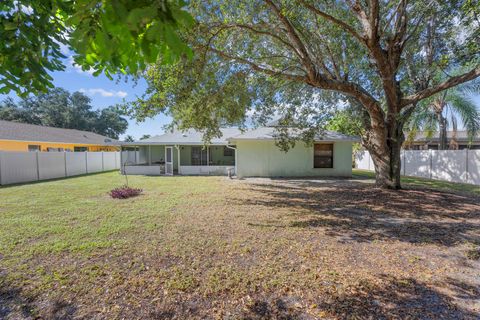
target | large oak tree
x=385, y=56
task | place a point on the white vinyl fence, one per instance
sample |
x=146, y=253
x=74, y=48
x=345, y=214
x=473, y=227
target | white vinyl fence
x=17, y=167
x=449, y=165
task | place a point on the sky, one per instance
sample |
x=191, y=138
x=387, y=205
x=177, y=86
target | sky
x=105, y=92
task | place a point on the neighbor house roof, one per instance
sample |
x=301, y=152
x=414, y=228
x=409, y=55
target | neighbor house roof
x=193, y=137
x=189, y=137
x=270, y=133
x=29, y=132
x=462, y=135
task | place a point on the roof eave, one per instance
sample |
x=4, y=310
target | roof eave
x=171, y=143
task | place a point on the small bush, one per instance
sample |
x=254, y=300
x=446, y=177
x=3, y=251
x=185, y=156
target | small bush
x=124, y=192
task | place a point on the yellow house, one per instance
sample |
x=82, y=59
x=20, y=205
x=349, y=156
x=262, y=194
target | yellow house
x=15, y=136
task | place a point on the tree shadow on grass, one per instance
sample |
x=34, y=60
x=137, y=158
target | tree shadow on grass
x=360, y=212
x=393, y=298
x=13, y=305
x=385, y=298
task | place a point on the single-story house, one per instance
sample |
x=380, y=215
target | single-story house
x=458, y=140
x=16, y=136
x=251, y=153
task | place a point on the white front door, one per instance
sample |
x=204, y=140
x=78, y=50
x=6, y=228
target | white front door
x=169, y=161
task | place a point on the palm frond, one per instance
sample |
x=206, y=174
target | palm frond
x=468, y=112
x=424, y=119
x=471, y=88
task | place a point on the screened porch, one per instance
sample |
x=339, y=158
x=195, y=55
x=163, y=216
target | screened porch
x=178, y=159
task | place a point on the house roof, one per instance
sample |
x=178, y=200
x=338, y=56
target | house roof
x=269, y=133
x=189, y=137
x=29, y=132
x=462, y=135
x=193, y=137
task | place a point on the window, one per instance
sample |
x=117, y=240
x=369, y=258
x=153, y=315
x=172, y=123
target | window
x=80, y=149
x=323, y=155
x=34, y=147
x=227, y=152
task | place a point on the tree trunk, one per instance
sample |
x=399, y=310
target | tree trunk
x=385, y=150
x=442, y=137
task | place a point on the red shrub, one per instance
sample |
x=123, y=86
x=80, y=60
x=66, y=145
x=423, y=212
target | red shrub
x=124, y=192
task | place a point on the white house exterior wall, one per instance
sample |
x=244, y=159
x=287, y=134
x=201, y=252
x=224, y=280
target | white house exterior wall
x=262, y=158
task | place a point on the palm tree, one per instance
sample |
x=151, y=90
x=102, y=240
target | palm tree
x=442, y=111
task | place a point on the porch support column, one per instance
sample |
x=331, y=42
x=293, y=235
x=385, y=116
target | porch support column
x=149, y=155
x=178, y=160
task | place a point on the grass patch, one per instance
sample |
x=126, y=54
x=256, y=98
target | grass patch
x=211, y=247
x=424, y=183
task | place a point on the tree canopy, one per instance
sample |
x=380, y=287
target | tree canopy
x=105, y=36
x=61, y=109
x=299, y=58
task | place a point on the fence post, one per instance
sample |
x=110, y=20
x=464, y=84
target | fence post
x=103, y=166
x=430, y=163
x=65, y=161
x=86, y=161
x=38, y=165
x=1, y=168
x=466, y=165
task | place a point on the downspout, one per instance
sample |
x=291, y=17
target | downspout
x=236, y=161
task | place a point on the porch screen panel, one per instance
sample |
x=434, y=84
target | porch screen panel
x=199, y=156
x=169, y=155
x=169, y=161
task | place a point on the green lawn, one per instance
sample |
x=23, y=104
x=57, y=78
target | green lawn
x=211, y=247
x=424, y=183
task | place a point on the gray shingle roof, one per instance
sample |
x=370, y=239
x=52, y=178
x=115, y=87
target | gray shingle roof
x=269, y=133
x=193, y=137
x=189, y=137
x=28, y=132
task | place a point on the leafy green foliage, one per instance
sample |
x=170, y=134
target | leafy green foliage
x=246, y=63
x=196, y=94
x=347, y=121
x=106, y=36
x=61, y=109
x=126, y=35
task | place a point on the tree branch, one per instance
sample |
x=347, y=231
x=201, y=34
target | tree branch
x=259, y=68
x=452, y=82
x=258, y=31
x=334, y=20
x=305, y=57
